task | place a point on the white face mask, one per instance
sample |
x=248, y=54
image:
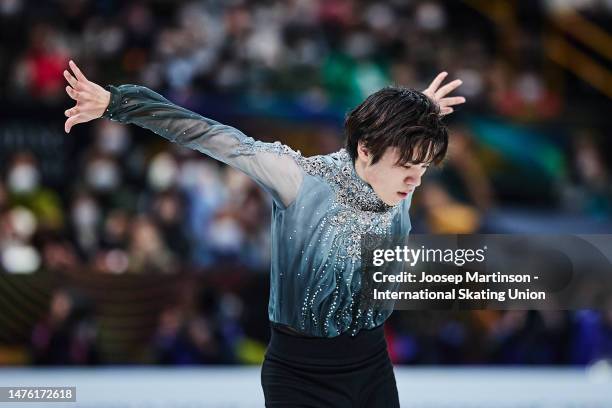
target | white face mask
x=23, y=221
x=226, y=235
x=103, y=175
x=20, y=258
x=163, y=172
x=113, y=139
x=85, y=213
x=23, y=178
x=430, y=16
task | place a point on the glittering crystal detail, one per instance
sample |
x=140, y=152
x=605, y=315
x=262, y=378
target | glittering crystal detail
x=351, y=190
x=358, y=210
x=355, y=210
x=328, y=283
x=249, y=146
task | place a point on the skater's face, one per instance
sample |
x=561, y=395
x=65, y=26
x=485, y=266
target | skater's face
x=392, y=182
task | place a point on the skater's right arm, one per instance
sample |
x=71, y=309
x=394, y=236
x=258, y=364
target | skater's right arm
x=271, y=165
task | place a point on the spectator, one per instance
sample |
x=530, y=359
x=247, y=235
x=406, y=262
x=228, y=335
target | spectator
x=68, y=335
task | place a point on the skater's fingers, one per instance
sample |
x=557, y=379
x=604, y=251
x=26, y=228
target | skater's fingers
x=446, y=111
x=71, y=80
x=455, y=100
x=436, y=82
x=77, y=71
x=448, y=88
x=72, y=93
x=72, y=111
x=73, y=120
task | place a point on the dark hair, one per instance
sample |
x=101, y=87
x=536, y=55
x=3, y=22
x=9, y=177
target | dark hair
x=398, y=117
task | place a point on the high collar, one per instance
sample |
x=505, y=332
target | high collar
x=359, y=192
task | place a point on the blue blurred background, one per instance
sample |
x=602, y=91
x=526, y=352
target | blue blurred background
x=119, y=248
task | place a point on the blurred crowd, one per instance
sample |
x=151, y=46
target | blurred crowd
x=210, y=329
x=128, y=202
x=319, y=52
x=121, y=213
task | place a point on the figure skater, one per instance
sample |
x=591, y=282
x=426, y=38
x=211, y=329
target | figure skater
x=327, y=345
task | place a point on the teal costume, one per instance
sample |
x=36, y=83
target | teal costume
x=321, y=207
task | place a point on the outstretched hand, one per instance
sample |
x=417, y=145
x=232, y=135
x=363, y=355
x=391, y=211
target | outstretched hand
x=91, y=99
x=439, y=95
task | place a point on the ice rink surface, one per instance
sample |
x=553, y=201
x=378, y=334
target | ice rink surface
x=227, y=387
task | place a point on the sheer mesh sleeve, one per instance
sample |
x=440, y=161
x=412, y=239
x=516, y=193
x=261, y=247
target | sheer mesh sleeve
x=271, y=165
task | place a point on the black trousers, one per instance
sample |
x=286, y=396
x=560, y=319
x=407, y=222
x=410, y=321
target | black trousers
x=317, y=372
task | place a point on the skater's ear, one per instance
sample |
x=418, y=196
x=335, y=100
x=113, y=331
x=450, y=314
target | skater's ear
x=363, y=153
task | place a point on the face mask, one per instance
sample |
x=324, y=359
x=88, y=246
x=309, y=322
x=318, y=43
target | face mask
x=430, y=16
x=226, y=236
x=23, y=222
x=20, y=258
x=162, y=172
x=472, y=82
x=23, y=178
x=359, y=45
x=199, y=173
x=103, y=175
x=85, y=213
x=113, y=139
